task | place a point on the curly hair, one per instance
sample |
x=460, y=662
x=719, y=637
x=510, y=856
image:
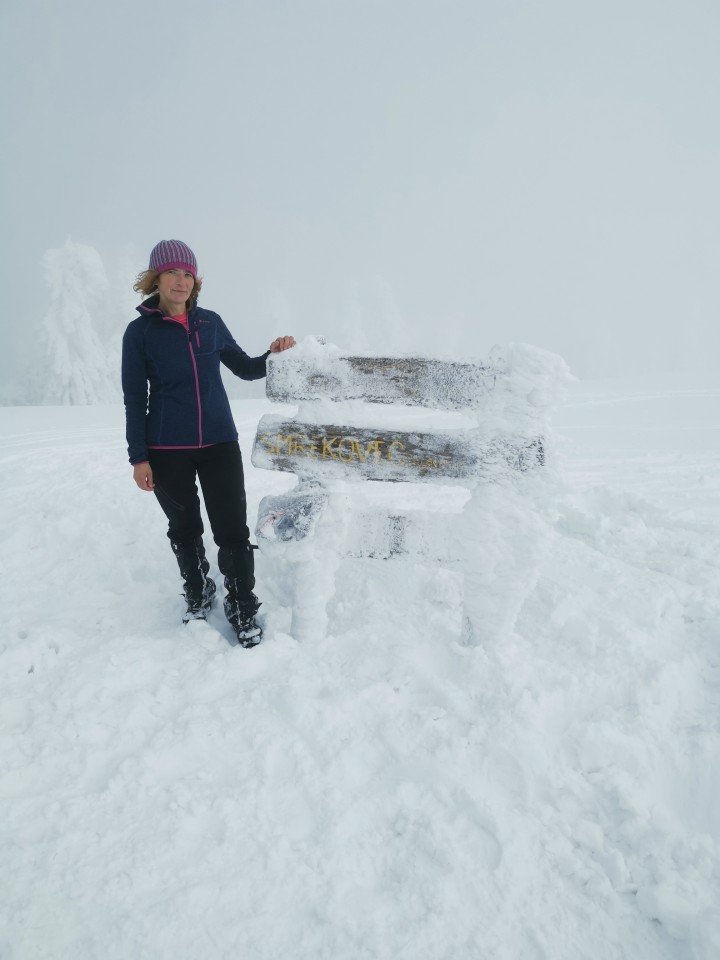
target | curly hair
x=146, y=283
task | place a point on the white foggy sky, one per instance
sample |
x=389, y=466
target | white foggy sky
x=439, y=176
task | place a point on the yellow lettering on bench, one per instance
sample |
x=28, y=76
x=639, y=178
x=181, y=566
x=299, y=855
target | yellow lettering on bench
x=288, y=441
x=271, y=447
x=340, y=449
x=362, y=454
x=395, y=443
x=427, y=463
x=357, y=450
x=345, y=449
x=327, y=448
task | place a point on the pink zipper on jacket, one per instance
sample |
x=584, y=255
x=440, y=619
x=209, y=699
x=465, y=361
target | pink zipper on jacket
x=197, y=390
x=194, y=363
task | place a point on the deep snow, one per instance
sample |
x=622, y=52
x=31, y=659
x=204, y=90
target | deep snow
x=545, y=790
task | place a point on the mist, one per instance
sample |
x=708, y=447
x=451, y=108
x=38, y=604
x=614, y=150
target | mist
x=397, y=176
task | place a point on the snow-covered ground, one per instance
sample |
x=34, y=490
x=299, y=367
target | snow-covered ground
x=544, y=790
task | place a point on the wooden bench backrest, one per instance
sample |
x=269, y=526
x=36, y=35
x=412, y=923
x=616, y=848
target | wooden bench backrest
x=335, y=451
x=440, y=384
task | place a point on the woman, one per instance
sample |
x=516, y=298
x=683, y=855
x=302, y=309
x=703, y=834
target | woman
x=181, y=428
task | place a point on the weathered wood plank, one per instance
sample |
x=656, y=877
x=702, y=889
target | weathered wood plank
x=342, y=452
x=412, y=535
x=412, y=381
x=290, y=516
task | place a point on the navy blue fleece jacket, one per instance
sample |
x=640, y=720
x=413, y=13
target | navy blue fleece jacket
x=173, y=391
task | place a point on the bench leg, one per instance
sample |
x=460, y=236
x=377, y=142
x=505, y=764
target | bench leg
x=313, y=587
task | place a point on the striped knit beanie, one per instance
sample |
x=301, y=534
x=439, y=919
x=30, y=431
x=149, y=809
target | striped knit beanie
x=173, y=255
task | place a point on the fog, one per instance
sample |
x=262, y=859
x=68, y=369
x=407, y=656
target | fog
x=432, y=176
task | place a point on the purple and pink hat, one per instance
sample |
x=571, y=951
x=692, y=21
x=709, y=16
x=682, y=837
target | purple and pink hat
x=173, y=255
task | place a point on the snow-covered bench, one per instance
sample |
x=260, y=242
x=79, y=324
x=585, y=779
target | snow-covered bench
x=374, y=418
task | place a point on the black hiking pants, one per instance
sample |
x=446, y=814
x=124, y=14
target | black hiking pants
x=219, y=469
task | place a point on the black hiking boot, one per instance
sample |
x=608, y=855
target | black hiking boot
x=198, y=606
x=199, y=589
x=240, y=612
x=238, y=567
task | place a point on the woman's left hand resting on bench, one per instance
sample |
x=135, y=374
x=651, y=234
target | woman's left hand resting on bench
x=282, y=343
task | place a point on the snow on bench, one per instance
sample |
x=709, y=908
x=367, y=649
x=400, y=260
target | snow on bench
x=355, y=422
x=503, y=441
x=329, y=450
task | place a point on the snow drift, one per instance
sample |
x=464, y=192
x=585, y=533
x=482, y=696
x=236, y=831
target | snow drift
x=388, y=790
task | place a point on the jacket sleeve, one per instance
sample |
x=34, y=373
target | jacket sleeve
x=235, y=359
x=135, y=393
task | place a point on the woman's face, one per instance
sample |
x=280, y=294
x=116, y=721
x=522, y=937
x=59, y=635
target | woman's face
x=175, y=287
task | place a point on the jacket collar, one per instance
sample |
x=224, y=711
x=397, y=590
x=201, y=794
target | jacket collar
x=152, y=305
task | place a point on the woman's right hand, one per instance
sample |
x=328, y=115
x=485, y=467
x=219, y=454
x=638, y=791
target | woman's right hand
x=142, y=475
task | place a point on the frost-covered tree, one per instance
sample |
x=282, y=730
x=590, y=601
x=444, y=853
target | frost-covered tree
x=79, y=360
x=121, y=304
